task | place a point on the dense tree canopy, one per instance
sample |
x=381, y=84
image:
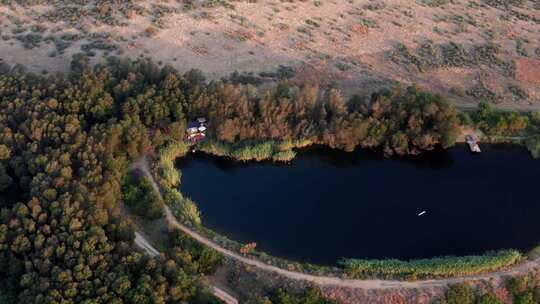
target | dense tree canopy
x=64, y=146
x=399, y=121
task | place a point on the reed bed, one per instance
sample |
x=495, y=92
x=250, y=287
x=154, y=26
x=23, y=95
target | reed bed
x=439, y=267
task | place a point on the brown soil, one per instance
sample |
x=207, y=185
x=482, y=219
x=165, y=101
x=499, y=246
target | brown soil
x=528, y=70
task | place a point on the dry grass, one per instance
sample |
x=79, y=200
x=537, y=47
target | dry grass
x=333, y=42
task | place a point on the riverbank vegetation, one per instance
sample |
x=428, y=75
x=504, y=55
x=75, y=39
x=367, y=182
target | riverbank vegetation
x=169, y=181
x=431, y=268
x=508, y=126
x=257, y=151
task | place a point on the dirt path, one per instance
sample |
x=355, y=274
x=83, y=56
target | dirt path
x=522, y=268
x=142, y=243
x=145, y=245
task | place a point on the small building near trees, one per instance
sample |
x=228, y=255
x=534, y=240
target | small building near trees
x=196, y=130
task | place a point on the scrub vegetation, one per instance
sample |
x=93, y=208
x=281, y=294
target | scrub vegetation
x=464, y=50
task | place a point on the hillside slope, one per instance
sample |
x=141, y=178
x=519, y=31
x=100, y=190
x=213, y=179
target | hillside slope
x=466, y=50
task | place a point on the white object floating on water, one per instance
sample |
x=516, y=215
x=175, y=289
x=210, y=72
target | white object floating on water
x=422, y=213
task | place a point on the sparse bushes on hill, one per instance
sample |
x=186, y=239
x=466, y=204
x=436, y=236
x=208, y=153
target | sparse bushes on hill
x=503, y=3
x=430, y=56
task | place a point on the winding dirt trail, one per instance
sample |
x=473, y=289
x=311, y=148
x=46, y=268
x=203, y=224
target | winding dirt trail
x=522, y=268
x=142, y=243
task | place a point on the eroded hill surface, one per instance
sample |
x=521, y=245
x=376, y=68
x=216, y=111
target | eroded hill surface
x=468, y=50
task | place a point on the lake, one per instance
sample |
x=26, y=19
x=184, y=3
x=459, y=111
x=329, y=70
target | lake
x=329, y=204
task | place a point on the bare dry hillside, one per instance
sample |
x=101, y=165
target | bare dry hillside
x=468, y=50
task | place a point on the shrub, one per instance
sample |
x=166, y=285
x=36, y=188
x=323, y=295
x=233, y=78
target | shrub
x=183, y=208
x=489, y=298
x=460, y=294
x=138, y=194
x=151, y=31
x=187, y=251
x=500, y=123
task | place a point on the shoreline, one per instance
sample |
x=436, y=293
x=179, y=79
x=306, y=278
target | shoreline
x=523, y=266
x=308, y=268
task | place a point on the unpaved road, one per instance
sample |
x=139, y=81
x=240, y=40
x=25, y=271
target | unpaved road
x=522, y=268
x=142, y=243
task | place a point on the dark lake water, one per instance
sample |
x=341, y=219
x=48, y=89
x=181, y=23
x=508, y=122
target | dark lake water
x=326, y=204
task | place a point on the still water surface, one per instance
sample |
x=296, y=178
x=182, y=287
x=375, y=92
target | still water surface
x=327, y=204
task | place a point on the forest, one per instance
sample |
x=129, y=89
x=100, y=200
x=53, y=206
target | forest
x=66, y=142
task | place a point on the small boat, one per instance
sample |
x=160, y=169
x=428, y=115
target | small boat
x=422, y=213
